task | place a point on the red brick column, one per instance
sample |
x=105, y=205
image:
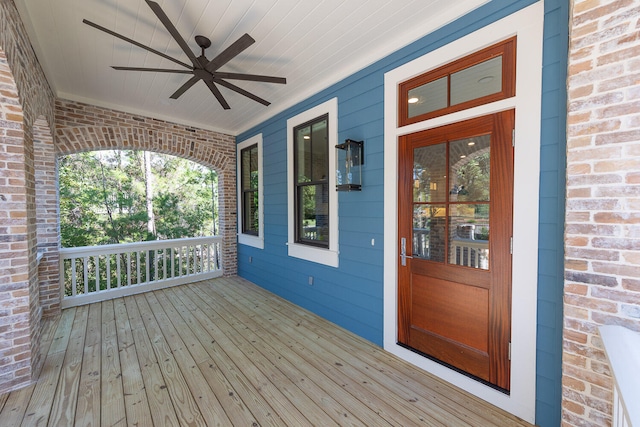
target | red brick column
x=25, y=98
x=47, y=218
x=15, y=333
x=602, y=279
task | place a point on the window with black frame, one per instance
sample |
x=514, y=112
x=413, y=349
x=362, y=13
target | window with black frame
x=250, y=200
x=311, y=172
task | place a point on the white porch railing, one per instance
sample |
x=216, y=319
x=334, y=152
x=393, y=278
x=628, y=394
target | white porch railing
x=622, y=347
x=96, y=273
x=470, y=252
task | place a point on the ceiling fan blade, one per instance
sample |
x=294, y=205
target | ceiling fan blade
x=229, y=53
x=241, y=91
x=250, y=77
x=182, y=89
x=157, y=70
x=173, y=31
x=216, y=92
x=135, y=43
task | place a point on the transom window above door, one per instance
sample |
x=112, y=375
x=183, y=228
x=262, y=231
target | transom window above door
x=482, y=77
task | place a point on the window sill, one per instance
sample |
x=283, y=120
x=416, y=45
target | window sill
x=255, y=241
x=313, y=254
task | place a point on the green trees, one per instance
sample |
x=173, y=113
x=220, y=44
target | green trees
x=132, y=196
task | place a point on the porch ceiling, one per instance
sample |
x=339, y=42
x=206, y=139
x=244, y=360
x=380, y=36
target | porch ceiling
x=312, y=43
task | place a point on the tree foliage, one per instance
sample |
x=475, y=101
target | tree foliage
x=103, y=198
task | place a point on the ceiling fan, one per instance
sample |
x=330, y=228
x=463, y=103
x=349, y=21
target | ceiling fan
x=201, y=68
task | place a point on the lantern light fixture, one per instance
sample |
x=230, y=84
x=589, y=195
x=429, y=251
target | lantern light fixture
x=349, y=161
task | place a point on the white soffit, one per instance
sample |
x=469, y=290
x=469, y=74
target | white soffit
x=313, y=43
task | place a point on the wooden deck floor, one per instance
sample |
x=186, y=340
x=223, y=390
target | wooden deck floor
x=226, y=353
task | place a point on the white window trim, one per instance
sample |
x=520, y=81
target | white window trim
x=327, y=256
x=527, y=24
x=249, y=239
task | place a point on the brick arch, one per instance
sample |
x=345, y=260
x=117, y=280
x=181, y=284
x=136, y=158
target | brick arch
x=81, y=127
x=91, y=138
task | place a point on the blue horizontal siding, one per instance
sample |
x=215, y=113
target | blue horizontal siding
x=351, y=295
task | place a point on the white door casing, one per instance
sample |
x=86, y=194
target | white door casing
x=527, y=25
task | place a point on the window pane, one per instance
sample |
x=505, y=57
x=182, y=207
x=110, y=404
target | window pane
x=429, y=232
x=250, y=168
x=429, y=97
x=429, y=173
x=320, y=151
x=249, y=185
x=303, y=154
x=469, y=171
x=313, y=211
x=469, y=231
x=250, y=219
x=477, y=81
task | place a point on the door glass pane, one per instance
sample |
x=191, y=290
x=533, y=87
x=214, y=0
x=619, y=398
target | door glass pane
x=429, y=97
x=429, y=232
x=469, y=171
x=477, y=81
x=469, y=235
x=430, y=173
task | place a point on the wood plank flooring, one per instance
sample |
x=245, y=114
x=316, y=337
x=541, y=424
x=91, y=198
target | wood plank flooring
x=225, y=352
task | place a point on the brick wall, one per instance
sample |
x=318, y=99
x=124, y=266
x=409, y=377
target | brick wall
x=82, y=127
x=602, y=277
x=25, y=96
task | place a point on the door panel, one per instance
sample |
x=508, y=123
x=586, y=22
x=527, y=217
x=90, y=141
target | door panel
x=452, y=310
x=455, y=208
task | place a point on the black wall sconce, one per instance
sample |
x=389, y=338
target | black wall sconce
x=349, y=161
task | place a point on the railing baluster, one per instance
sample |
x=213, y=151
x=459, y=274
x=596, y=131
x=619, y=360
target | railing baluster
x=138, y=266
x=118, y=269
x=108, y=261
x=189, y=260
x=97, y=258
x=73, y=277
x=85, y=271
x=164, y=263
x=155, y=265
x=186, y=260
x=147, y=269
x=128, y=268
x=173, y=262
x=216, y=253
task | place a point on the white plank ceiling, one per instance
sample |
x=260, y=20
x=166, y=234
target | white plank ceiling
x=313, y=43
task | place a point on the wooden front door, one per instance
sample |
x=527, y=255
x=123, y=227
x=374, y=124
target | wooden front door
x=455, y=213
